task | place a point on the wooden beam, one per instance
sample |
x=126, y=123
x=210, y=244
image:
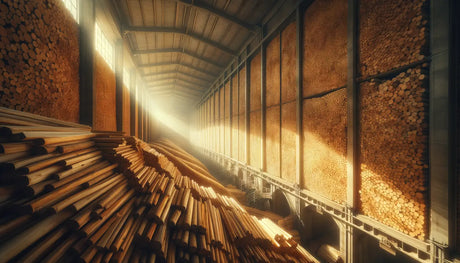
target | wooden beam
x=180, y=31
x=219, y=13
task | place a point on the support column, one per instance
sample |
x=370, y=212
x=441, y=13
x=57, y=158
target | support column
x=87, y=52
x=299, y=103
x=132, y=104
x=442, y=129
x=353, y=164
x=263, y=105
x=247, y=81
x=119, y=83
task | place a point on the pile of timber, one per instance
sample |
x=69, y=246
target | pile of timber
x=394, y=149
x=103, y=197
x=39, y=47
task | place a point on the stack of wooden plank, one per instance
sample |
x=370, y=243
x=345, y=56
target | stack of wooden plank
x=102, y=197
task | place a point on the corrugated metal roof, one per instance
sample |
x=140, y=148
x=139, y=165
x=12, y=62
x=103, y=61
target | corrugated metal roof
x=188, y=41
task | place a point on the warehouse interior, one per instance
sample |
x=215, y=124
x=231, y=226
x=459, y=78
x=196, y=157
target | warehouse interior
x=230, y=131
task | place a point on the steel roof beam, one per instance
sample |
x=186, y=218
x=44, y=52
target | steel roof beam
x=177, y=50
x=174, y=85
x=180, y=31
x=178, y=78
x=209, y=8
x=175, y=64
x=177, y=72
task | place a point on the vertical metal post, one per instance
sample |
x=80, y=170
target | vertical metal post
x=280, y=155
x=247, y=82
x=353, y=168
x=87, y=65
x=299, y=102
x=230, y=107
x=119, y=83
x=132, y=102
x=442, y=128
x=139, y=111
x=263, y=106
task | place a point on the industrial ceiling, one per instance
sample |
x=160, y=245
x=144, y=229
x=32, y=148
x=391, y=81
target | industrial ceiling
x=182, y=46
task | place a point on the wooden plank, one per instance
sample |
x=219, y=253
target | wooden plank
x=288, y=63
x=288, y=141
x=273, y=141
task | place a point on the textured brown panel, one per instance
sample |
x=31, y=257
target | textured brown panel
x=227, y=99
x=242, y=138
x=226, y=138
x=104, y=117
x=325, y=46
x=325, y=145
x=242, y=91
x=254, y=138
x=126, y=111
x=390, y=38
x=235, y=95
x=394, y=152
x=273, y=72
x=235, y=140
x=221, y=144
x=288, y=63
x=273, y=141
x=39, y=59
x=288, y=141
x=255, y=84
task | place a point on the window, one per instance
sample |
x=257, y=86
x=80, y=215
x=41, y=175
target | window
x=104, y=47
x=72, y=5
x=126, y=78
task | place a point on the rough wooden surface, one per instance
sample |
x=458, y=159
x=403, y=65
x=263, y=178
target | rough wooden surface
x=228, y=133
x=325, y=145
x=254, y=138
x=242, y=91
x=235, y=95
x=288, y=141
x=227, y=99
x=272, y=79
x=255, y=83
x=325, y=46
x=392, y=33
x=242, y=138
x=394, y=128
x=235, y=137
x=126, y=111
x=272, y=152
x=104, y=117
x=39, y=48
x=288, y=63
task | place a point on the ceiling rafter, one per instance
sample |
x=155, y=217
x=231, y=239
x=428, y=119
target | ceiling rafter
x=174, y=84
x=175, y=64
x=172, y=88
x=177, y=50
x=177, y=78
x=177, y=72
x=219, y=13
x=185, y=32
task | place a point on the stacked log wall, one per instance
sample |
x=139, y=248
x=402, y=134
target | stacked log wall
x=394, y=114
x=39, y=58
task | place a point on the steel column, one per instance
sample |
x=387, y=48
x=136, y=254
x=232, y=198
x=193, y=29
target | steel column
x=87, y=65
x=263, y=107
x=119, y=83
x=299, y=101
x=442, y=129
x=132, y=102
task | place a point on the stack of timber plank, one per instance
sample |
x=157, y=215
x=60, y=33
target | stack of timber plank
x=68, y=193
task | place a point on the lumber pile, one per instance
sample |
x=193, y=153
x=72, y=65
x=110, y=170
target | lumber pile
x=394, y=143
x=390, y=39
x=39, y=47
x=103, y=197
x=325, y=145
